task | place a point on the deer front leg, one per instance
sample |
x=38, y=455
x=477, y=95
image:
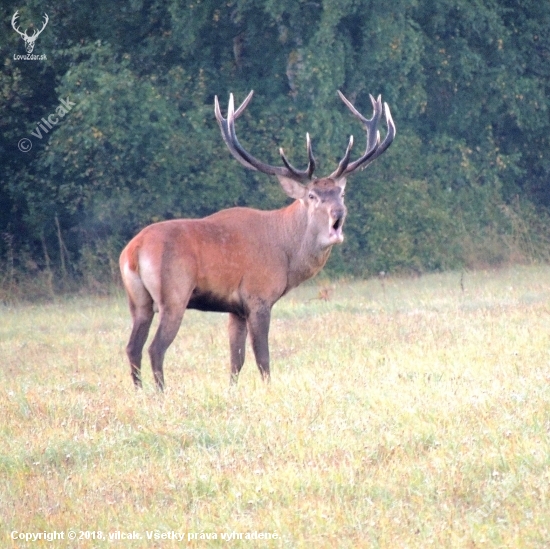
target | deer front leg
x=237, y=344
x=258, y=324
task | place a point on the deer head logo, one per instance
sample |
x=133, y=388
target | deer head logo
x=29, y=40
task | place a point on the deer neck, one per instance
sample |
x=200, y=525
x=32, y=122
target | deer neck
x=305, y=256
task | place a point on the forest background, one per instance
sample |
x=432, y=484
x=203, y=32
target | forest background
x=465, y=184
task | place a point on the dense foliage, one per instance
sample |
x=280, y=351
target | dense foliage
x=466, y=181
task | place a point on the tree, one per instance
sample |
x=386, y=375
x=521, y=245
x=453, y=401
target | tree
x=466, y=81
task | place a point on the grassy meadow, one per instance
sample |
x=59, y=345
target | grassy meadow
x=402, y=413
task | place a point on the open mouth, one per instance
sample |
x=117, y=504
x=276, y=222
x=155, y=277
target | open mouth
x=336, y=229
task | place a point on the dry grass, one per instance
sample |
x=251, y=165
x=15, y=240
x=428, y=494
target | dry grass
x=408, y=413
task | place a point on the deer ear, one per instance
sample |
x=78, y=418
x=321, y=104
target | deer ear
x=341, y=182
x=292, y=188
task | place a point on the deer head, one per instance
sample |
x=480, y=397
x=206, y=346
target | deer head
x=323, y=197
x=29, y=40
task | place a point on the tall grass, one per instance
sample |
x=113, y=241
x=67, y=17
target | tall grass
x=402, y=413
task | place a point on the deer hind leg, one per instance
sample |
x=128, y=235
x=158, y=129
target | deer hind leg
x=258, y=324
x=142, y=316
x=141, y=309
x=237, y=343
x=169, y=324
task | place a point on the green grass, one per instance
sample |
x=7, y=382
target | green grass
x=401, y=413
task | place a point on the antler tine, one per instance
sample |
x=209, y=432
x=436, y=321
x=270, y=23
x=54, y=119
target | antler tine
x=371, y=125
x=229, y=135
x=344, y=162
x=311, y=161
x=350, y=106
x=217, y=110
x=244, y=104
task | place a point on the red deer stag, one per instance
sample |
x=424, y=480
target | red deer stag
x=240, y=261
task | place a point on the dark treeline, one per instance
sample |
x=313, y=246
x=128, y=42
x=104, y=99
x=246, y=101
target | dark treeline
x=134, y=140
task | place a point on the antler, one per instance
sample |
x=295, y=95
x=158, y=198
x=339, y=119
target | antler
x=374, y=148
x=16, y=29
x=227, y=127
x=35, y=32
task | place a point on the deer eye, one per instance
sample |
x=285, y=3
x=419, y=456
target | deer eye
x=312, y=196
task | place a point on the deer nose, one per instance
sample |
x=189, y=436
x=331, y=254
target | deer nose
x=338, y=212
